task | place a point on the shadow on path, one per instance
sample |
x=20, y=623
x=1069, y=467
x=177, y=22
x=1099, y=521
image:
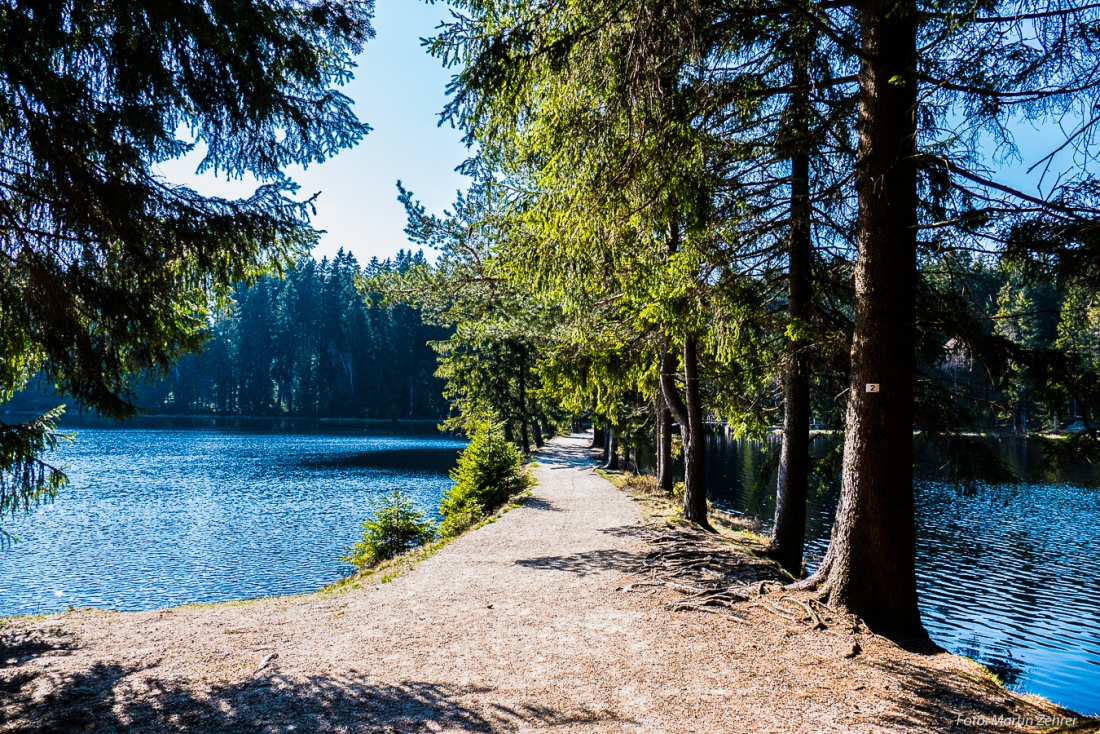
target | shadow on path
x=937, y=700
x=571, y=452
x=112, y=698
x=587, y=563
x=538, y=503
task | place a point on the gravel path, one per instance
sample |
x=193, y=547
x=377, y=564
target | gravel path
x=517, y=626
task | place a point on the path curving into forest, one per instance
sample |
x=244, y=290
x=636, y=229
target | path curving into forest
x=517, y=626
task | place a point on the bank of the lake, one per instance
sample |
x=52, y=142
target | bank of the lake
x=208, y=509
x=1007, y=573
x=520, y=625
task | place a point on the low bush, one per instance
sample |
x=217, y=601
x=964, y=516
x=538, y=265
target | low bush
x=642, y=483
x=489, y=471
x=459, y=520
x=395, y=526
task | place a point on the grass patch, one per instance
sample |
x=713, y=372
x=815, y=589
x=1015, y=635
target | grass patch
x=744, y=532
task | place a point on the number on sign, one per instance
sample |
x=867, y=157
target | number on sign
x=872, y=387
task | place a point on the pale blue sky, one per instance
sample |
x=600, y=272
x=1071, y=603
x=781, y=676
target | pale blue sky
x=399, y=91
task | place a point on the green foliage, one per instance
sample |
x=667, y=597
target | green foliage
x=25, y=479
x=498, y=330
x=460, y=519
x=309, y=345
x=107, y=270
x=611, y=127
x=489, y=471
x=395, y=527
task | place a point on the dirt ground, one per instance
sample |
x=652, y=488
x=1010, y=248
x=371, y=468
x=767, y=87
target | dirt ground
x=520, y=625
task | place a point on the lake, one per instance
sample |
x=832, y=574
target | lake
x=180, y=511
x=1008, y=574
x=158, y=516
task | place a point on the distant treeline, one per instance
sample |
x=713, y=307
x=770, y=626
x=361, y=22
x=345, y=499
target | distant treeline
x=309, y=345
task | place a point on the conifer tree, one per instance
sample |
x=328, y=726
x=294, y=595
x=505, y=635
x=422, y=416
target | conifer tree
x=622, y=122
x=107, y=270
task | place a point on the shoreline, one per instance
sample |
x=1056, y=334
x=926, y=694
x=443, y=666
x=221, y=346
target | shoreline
x=743, y=534
x=216, y=417
x=538, y=618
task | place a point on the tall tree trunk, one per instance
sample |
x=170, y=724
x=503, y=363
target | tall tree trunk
x=612, y=451
x=524, y=435
x=606, y=444
x=695, y=478
x=870, y=566
x=598, y=437
x=688, y=413
x=664, y=446
x=536, y=428
x=789, y=534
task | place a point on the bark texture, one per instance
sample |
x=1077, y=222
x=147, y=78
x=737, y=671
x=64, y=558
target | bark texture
x=612, y=451
x=789, y=534
x=695, y=478
x=664, y=447
x=688, y=412
x=525, y=437
x=598, y=437
x=870, y=566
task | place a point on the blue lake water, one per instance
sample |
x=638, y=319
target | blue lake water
x=205, y=511
x=1008, y=574
x=157, y=517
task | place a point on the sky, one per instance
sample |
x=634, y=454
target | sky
x=399, y=91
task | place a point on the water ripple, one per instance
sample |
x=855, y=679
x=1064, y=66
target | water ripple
x=1007, y=574
x=157, y=518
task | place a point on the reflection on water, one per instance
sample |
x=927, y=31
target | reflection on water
x=212, y=511
x=1007, y=574
x=156, y=517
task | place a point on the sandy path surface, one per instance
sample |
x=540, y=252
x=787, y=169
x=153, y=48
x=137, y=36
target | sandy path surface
x=514, y=627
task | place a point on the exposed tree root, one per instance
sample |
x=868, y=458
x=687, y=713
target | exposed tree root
x=715, y=577
x=817, y=580
x=711, y=575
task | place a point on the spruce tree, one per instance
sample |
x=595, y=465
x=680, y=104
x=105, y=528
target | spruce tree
x=108, y=270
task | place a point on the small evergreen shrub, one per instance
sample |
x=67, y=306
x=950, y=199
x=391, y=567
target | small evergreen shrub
x=489, y=471
x=395, y=526
x=459, y=520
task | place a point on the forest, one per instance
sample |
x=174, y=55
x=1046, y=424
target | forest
x=306, y=345
x=771, y=214
x=778, y=215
